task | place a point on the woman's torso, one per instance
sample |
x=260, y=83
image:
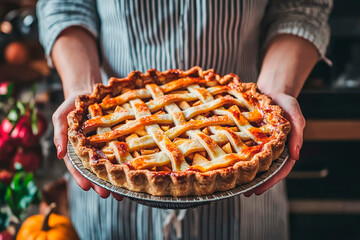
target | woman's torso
x=138, y=35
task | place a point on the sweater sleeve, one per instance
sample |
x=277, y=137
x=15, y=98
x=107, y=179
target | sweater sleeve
x=57, y=15
x=304, y=18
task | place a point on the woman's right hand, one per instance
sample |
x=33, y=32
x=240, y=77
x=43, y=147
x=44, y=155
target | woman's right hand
x=59, y=119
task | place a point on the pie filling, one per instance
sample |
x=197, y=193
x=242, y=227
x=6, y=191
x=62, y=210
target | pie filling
x=187, y=124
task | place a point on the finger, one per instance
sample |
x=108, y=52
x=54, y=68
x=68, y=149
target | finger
x=118, y=197
x=284, y=171
x=297, y=121
x=101, y=191
x=249, y=193
x=84, y=183
x=295, y=145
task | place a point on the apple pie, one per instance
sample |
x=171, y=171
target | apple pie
x=177, y=133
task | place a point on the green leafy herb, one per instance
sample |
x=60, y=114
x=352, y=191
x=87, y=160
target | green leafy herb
x=21, y=192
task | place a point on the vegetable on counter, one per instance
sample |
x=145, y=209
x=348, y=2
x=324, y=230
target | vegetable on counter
x=50, y=226
x=19, y=137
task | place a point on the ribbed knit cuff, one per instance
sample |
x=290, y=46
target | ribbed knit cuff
x=319, y=37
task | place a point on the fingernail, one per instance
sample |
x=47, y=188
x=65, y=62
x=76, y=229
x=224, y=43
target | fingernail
x=58, y=150
x=297, y=152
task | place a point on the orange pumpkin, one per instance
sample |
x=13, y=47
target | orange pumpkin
x=49, y=227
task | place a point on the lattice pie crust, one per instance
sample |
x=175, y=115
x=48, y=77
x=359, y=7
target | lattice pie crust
x=177, y=132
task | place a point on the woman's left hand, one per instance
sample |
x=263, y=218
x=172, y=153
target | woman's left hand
x=293, y=113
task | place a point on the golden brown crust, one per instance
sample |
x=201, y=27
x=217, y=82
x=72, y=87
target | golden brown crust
x=190, y=182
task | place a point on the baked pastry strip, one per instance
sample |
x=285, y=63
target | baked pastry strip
x=114, y=147
x=163, y=118
x=218, y=137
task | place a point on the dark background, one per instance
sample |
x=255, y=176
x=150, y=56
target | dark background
x=324, y=187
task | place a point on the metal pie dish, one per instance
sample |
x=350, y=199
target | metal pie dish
x=169, y=202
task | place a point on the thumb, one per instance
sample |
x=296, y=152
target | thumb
x=296, y=135
x=293, y=113
x=59, y=119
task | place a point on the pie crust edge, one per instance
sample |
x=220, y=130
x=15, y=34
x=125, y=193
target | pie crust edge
x=175, y=184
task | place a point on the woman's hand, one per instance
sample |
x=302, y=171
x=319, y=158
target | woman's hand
x=287, y=63
x=295, y=140
x=76, y=59
x=59, y=119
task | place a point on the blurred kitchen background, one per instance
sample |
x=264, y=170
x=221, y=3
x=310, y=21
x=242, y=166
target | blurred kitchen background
x=324, y=187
